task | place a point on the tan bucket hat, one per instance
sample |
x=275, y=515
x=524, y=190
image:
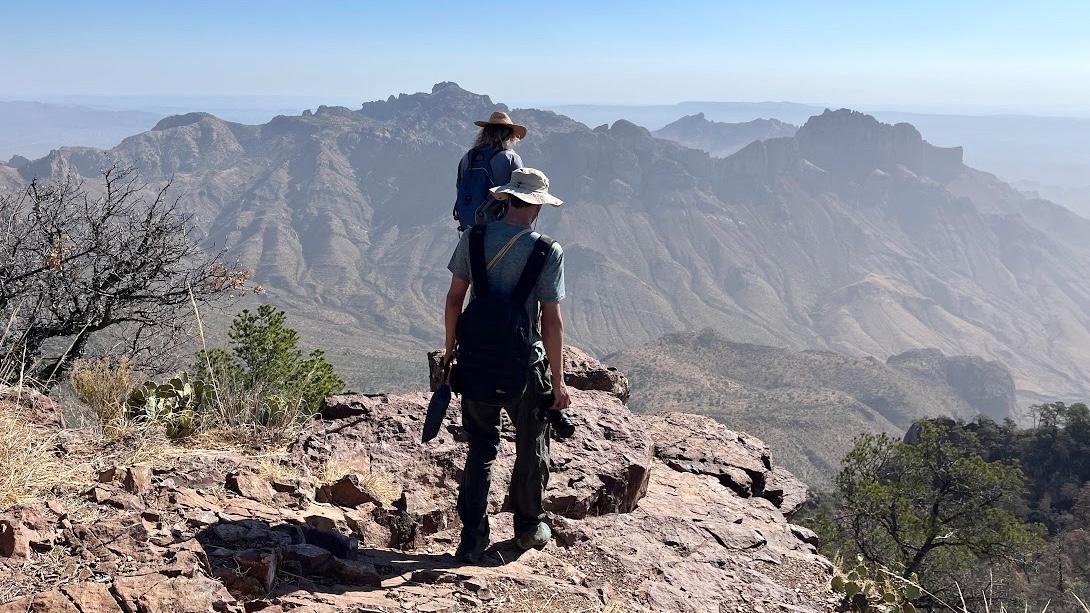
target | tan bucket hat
x=530, y=185
x=499, y=118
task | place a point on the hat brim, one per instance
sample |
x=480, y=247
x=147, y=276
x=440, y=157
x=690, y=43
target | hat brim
x=533, y=197
x=520, y=131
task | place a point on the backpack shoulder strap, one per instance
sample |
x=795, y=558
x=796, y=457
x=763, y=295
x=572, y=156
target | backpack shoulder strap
x=543, y=246
x=477, y=266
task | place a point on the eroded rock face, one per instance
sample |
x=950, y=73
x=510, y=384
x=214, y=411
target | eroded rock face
x=702, y=446
x=668, y=513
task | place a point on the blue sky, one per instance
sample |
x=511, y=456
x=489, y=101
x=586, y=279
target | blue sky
x=1024, y=56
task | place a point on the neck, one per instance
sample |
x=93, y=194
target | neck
x=521, y=217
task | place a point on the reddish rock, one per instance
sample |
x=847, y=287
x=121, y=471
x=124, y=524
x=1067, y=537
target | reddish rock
x=310, y=558
x=347, y=492
x=700, y=445
x=23, y=531
x=155, y=592
x=354, y=572
x=137, y=479
x=92, y=597
x=36, y=407
x=42, y=602
x=250, y=486
x=109, y=495
x=584, y=372
x=260, y=565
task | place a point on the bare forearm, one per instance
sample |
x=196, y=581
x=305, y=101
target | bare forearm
x=450, y=319
x=552, y=335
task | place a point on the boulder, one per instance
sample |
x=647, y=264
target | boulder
x=249, y=485
x=700, y=445
x=155, y=592
x=584, y=372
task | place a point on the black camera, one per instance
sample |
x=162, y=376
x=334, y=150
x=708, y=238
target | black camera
x=563, y=428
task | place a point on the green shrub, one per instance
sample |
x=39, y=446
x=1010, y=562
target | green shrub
x=264, y=378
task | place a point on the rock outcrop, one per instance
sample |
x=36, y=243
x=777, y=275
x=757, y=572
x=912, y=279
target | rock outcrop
x=667, y=513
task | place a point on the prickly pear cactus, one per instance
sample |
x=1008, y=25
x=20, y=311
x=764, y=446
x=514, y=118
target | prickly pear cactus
x=864, y=590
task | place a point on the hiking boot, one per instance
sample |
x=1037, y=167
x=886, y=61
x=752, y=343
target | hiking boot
x=536, y=539
x=470, y=554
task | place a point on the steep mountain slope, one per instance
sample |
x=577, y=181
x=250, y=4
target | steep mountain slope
x=853, y=235
x=809, y=404
x=722, y=139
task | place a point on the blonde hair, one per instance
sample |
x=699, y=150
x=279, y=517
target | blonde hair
x=500, y=137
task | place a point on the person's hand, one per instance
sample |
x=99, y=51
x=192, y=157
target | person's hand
x=561, y=399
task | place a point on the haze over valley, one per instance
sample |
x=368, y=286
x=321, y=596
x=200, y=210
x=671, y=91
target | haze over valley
x=849, y=235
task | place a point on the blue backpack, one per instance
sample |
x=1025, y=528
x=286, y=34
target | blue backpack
x=474, y=181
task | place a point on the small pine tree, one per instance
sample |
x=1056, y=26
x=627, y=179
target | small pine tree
x=265, y=356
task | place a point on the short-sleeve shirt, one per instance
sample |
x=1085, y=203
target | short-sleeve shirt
x=505, y=274
x=503, y=164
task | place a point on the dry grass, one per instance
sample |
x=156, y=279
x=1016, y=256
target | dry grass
x=104, y=384
x=374, y=481
x=30, y=460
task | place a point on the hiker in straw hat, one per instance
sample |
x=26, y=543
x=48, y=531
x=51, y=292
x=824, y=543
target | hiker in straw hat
x=487, y=164
x=516, y=276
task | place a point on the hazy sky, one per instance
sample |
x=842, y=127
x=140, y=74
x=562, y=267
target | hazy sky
x=953, y=55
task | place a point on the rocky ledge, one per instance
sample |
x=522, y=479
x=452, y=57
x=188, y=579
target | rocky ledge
x=666, y=513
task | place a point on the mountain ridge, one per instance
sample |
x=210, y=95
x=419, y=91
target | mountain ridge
x=809, y=404
x=342, y=214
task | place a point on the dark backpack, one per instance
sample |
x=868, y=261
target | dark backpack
x=493, y=333
x=474, y=181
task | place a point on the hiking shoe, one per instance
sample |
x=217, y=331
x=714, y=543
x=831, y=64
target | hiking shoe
x=468, y=554
x=536, y=539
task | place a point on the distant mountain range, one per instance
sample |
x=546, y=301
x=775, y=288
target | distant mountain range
x=1052, y=152
x=852, y=235
x=722, y=139
x=33, y=129
x=808, y=405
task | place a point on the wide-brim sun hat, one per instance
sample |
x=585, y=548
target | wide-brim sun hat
x=529, y=185
x=499, y=118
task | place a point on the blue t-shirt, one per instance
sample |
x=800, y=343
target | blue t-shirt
x=505, y=274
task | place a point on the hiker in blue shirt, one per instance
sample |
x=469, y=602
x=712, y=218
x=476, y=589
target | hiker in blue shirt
x=488, y=164
x=517, y=276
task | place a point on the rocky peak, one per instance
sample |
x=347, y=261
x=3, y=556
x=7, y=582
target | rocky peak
x=175, y=121
x=855, y=144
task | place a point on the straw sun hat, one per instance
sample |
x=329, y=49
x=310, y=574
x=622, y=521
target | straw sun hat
x=499, y=118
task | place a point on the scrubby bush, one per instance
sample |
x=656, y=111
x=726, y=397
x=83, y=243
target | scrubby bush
x=263, y=380
x=104, y=385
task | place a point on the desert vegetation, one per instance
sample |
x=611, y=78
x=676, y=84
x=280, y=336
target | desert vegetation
x=101, y=289
x=979, y=515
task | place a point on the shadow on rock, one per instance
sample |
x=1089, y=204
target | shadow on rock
x=256, y=560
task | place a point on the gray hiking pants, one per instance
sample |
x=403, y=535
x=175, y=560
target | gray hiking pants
x=531, y=473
